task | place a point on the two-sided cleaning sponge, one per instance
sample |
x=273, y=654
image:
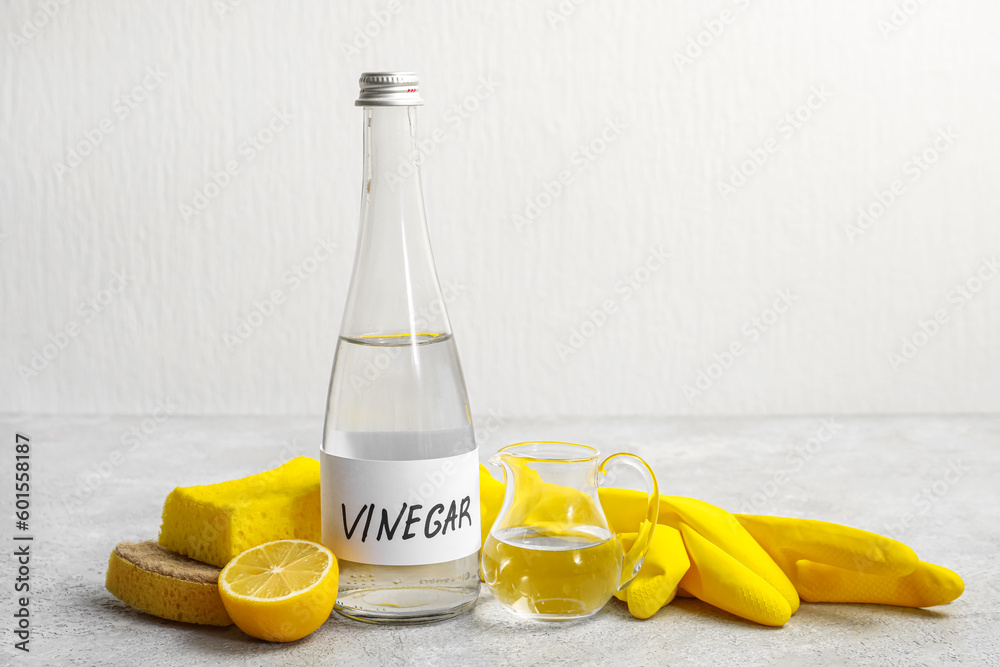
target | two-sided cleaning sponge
x=217, y=522
x=150, y=578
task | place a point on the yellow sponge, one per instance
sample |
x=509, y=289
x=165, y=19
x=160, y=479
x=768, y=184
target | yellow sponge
x=155, y=580
x=217, y=522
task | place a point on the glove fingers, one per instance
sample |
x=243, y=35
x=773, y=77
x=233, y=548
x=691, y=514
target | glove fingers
x=791, y=540
x=928, y=585
x=723, y=530
x=720, y=580
x=665, y=563
x=648, y=596
x=625, y=508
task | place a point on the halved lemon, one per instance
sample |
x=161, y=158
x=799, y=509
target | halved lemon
x=280, y=591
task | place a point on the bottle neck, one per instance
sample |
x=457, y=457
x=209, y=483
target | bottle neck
x=391, y=158
x=394, y=287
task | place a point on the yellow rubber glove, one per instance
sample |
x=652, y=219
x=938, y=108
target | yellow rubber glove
x=665, y=565
x=728, y=569
x=828, y=562
x=753, y=566
x=721, y=564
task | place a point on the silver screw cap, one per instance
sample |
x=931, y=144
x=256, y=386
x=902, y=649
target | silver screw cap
x=389, y=89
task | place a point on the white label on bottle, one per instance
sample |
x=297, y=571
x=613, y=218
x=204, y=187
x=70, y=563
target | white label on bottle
x=400, y=512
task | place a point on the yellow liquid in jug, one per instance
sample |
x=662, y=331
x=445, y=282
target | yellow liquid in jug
x=552, y=574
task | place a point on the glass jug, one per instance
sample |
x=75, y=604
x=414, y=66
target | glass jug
x=550, y=555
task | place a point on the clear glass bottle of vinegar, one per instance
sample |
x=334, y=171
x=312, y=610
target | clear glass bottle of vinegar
x=400, y=486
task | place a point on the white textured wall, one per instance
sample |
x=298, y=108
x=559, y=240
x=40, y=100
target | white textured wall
x=177, y=88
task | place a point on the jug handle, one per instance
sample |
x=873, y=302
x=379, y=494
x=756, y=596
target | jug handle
x=632, y=562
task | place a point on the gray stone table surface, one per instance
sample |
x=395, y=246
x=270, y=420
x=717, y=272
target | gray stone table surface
x=96, y=481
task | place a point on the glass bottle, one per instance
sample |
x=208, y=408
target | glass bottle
x=400, y=485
